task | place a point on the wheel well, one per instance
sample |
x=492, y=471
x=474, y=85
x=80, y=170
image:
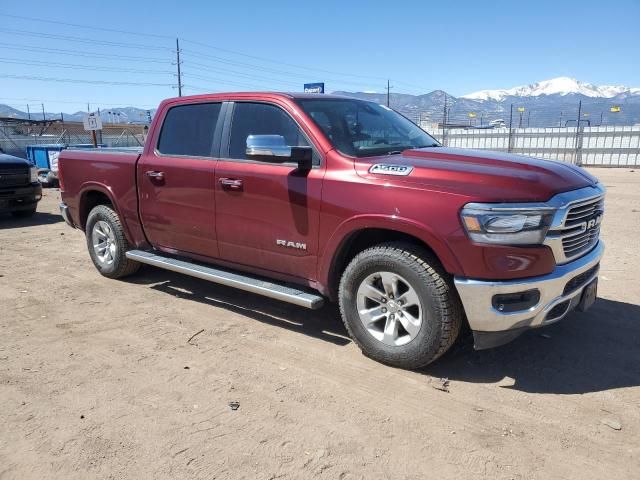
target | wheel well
x=90, y=200
x=361, y=240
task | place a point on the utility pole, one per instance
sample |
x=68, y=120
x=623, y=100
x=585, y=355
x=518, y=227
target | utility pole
x=28, y=112
x=444, y=122
x=510, y=141
x=44, y=115
x=578, y=136
x=88, y=108
x=180, y=74
x=389, y=87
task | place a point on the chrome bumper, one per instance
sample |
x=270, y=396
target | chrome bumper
x=477, y=295
x=64, y=211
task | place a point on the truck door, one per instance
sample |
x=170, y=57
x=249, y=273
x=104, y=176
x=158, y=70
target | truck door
x=176, y=181
x=267, y=214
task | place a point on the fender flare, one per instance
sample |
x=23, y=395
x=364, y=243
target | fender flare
x=349, y=227
x=92, y=186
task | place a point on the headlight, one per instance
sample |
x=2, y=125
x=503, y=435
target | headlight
x=33, y=173
x=506, y=225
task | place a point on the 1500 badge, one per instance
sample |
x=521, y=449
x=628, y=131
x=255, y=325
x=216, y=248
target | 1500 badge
x=390, y=169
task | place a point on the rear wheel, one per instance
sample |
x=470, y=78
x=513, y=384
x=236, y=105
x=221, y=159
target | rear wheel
x=107, y=243
x=399, y=305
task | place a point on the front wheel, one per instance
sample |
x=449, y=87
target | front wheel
x=399, y=306
x=107, y=243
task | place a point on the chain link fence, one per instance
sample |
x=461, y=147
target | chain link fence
x=16, y=135
x=597, y=139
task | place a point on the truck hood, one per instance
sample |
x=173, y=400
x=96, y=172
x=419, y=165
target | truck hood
x=9, y=162
x=486, y=175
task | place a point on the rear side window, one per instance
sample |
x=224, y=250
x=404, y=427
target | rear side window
x=188, y=130
x=261, y=119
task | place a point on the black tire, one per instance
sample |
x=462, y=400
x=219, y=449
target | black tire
x=24, y=213
x=441, y=308
x=121, y=266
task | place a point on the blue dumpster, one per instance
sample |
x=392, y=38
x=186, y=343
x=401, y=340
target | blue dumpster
x=45, y=158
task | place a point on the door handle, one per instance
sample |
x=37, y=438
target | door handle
x=154, y=174
x=231, y=183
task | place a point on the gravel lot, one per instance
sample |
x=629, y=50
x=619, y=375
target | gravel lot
x=97, y=379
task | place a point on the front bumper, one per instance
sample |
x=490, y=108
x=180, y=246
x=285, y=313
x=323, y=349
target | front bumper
x=492, y=327
x=20, y=198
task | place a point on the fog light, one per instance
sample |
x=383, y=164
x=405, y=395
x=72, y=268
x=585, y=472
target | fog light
x=515, y=302
x=37, y=197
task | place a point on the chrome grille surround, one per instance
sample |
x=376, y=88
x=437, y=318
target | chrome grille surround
x=572, y=233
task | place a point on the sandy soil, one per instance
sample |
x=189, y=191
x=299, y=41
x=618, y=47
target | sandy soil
x=97, y=379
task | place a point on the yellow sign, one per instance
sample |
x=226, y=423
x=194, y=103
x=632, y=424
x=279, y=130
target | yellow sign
x=615, y=109
x=521, y=109
x=472, y=115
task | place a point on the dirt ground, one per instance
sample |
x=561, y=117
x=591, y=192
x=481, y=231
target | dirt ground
x=97, y=379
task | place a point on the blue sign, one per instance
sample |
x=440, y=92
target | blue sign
x=314, y=87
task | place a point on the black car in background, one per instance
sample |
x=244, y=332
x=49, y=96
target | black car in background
x=20, y=190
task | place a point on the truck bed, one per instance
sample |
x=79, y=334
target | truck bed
x=110, y=171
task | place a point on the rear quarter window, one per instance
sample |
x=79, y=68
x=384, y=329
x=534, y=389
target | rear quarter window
x=188, y=130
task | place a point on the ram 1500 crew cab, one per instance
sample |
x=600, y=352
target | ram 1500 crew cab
x=304, y=197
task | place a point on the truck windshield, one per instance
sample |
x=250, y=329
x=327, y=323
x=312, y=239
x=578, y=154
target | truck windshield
x=363, y=129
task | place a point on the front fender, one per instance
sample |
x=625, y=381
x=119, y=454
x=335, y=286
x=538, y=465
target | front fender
x=349, y=227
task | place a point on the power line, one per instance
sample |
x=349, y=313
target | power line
x=17, y=61
x=224, y=82
x=84, y=40
x=91, y=82
x=40, y=100
x=91, y=27
x=279, y=62
x=77, y=53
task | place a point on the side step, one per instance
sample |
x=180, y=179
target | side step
x=230, y=279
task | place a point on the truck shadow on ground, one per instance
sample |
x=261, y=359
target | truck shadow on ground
x=591, y=352
x=40, y=218
x=324, y=324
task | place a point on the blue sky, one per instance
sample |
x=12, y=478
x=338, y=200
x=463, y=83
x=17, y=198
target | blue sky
x=459, y=46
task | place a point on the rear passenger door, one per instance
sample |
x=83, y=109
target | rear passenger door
x=176, y=181
x=267, y=213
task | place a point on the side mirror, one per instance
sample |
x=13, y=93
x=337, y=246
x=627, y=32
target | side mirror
x=273, y=148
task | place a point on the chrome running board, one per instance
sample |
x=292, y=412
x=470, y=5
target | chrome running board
x=230, y=279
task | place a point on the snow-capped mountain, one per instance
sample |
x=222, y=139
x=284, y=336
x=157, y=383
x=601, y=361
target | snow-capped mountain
x=556, y=86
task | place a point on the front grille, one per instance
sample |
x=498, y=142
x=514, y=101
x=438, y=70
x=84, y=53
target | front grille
x=582, y=227
x=14, y=178
x=579, y=280
x=581, y=212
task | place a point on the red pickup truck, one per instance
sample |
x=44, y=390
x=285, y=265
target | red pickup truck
x=302, y=197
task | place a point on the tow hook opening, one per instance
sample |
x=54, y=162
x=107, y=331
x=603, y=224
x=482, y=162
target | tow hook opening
x=516, y=302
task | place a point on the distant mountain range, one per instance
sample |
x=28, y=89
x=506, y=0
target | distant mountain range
x=561, y=86
x=548, y=103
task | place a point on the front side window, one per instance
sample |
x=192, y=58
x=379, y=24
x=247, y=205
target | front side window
x=363, y=129
x=188, y=130
x=261, y=119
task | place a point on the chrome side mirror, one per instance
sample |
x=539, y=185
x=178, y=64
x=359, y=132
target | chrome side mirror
x=273, y=148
